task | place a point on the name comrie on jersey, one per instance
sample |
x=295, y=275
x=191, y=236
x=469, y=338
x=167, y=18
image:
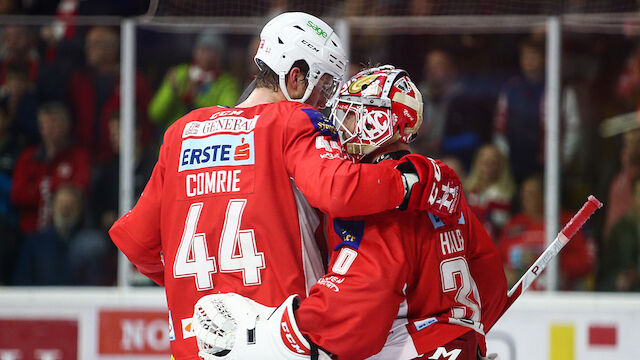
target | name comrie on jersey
x=216, y=150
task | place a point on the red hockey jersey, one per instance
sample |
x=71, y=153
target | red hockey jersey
x=36, y=178
x=224, y=208
x=408, y=272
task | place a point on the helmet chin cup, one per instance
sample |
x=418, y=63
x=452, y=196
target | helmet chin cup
x=283, y=86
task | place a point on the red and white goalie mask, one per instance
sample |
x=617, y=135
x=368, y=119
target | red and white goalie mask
x=376, y=107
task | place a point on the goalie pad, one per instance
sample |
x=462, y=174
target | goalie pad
x=231, y=326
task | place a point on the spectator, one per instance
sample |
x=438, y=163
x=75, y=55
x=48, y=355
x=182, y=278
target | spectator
x=519, y=118
x=94, y=92
x=523, y=240
x=490, y=189
x=620, y=191
x=22, y=103
x=9, y=151
x=198, y=84
x=452, y=122
x=41, y=169
x=18, y=48
x=105, y=188
x=64, y=253
x=620, y=270
x=628, y=83
x=61, y=50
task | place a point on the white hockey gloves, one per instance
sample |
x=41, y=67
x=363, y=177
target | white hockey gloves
x=231, y=326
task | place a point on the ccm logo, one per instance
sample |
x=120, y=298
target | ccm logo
x=291, y=340
x=310, y=45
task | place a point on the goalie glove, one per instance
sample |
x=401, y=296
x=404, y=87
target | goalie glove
x=231, y=326
x=431, y=186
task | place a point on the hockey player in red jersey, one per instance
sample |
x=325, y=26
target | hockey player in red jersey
x=436, y=286
x=231, y=204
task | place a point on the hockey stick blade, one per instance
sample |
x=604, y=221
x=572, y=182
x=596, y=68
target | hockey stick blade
x=570, y=229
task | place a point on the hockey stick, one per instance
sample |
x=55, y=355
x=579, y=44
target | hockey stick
x=247, y=91
x=570, y=229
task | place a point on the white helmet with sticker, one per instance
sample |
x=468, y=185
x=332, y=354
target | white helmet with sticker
x=294, y=36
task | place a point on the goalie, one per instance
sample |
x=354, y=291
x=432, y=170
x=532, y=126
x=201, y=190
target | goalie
x=401, y=285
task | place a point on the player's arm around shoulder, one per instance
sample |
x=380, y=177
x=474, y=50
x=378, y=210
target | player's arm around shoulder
x=433, y=187
x=338, y=187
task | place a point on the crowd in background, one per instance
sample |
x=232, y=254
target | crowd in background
x=484, y=101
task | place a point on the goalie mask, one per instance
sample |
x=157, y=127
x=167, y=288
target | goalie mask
x=376, y=107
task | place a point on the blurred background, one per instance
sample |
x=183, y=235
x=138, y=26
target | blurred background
x=533, y=102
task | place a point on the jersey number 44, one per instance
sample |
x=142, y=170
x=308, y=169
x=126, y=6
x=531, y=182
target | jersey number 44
x=193, y=258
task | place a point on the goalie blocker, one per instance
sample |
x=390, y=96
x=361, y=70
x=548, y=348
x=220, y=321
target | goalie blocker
x=230, y=326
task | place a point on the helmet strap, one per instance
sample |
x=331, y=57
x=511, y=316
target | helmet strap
x=283, y=86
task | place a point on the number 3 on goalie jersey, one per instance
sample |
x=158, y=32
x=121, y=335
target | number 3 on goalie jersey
x=455, y=276
x=201, y=265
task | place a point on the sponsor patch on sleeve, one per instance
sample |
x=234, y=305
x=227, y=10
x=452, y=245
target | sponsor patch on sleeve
x=321, y=124
x=350, y=232
x=331, y=149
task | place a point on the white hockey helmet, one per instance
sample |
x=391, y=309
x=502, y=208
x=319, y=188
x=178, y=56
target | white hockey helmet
x=294, y=36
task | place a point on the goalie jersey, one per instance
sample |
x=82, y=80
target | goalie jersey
x=408, y=272
x=224, y=210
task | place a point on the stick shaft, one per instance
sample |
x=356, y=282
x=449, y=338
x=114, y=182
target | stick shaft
x=540, y=264
x=570, y=229
x=550, y=252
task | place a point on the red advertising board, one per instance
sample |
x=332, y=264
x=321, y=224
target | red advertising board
x=38, y=339
x=133, y=333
